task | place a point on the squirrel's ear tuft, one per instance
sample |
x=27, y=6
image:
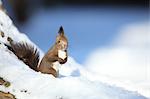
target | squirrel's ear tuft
x=61, y=30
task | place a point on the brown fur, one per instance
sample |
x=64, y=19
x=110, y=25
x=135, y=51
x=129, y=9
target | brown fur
x=8, y=95
x=30, y=56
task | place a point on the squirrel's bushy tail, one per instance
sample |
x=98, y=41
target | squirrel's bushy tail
x=27, y=53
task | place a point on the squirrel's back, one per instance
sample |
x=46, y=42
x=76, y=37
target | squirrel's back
x=26, y=53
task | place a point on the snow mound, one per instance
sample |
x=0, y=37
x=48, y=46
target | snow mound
x=127, y=61
x=28, y=84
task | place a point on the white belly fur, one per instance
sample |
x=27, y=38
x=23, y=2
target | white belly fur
x=56, y=65
x=62, y=54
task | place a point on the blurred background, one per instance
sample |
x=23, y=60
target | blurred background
x=88, y=24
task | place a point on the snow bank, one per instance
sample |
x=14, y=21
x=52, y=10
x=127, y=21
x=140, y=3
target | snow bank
x=74, y=83
x=126, y=64
x=27, y=84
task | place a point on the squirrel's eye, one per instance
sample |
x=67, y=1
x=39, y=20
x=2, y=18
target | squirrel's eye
x=58, y=41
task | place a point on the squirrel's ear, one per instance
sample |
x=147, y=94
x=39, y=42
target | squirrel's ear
x=61, y=31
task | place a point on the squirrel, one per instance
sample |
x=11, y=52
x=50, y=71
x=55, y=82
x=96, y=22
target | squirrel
x=55, y=56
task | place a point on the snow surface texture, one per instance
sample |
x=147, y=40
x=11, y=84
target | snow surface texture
x=74, y=83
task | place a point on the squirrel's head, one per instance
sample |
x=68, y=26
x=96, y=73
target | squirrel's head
x=61, y=40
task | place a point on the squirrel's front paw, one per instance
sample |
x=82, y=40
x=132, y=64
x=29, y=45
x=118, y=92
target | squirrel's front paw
x=62, y=61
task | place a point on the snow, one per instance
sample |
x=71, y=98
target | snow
x=75, y=81
x=27, y=84
x=127, y=62
x=62, y=54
